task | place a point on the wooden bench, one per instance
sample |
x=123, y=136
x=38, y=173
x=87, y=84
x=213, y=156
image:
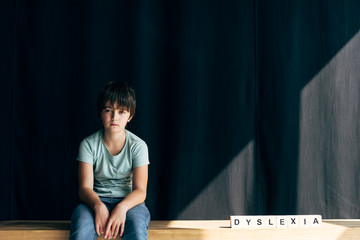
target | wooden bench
x=189, y=230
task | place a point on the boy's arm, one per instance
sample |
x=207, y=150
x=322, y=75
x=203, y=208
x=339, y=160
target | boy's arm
x=116, y=221
x=138, y=194
x=90, y=198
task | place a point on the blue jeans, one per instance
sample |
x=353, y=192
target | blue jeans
x=82, y=225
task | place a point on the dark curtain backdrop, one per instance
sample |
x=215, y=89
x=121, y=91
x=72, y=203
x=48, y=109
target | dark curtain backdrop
x=248, y=107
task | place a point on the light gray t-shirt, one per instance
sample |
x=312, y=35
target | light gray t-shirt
x=113, y=174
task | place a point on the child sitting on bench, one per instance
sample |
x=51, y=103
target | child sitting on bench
x=113, y=173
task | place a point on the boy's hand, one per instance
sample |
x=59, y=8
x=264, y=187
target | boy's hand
x=101, y=217
x=116, y=222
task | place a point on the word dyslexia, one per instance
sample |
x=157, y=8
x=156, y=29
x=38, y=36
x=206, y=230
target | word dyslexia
x=279, y=221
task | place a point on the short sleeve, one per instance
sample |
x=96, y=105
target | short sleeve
x=140, y=154
x=85, y=153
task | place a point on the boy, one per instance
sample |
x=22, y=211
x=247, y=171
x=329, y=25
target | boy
x=113, y=173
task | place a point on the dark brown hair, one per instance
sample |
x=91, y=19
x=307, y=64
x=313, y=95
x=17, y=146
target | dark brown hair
x=117, y=92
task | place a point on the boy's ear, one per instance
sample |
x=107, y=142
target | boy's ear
x=129, y=119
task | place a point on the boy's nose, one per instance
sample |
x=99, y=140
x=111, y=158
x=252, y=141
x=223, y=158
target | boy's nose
x=114, y=116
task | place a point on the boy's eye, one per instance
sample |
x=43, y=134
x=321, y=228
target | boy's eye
x=107, y=110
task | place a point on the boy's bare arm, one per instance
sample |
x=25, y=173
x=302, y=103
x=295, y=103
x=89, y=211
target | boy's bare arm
x=116, y=223
x=86, y=185
x=138, y=195
x=90, y=198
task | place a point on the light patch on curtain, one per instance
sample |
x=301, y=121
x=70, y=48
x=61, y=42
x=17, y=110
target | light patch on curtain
x=230, y=188
x=329, y=149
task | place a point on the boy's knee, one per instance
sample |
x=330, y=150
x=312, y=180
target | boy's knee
x=82, y=213
x=139, y=213
x=137, y=221
x=82, y=223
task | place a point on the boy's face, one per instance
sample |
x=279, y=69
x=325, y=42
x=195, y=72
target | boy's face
x=115, y=118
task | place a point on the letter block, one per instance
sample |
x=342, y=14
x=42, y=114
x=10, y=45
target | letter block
x=260, y=222
x=276, y=221
x=271, y=222
x=316, y=221
x=305, y=222
x=282, y=221
x=294, y=221
x=236, y=221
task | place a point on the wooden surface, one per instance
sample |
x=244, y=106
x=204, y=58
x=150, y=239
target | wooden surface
x=189, y=230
